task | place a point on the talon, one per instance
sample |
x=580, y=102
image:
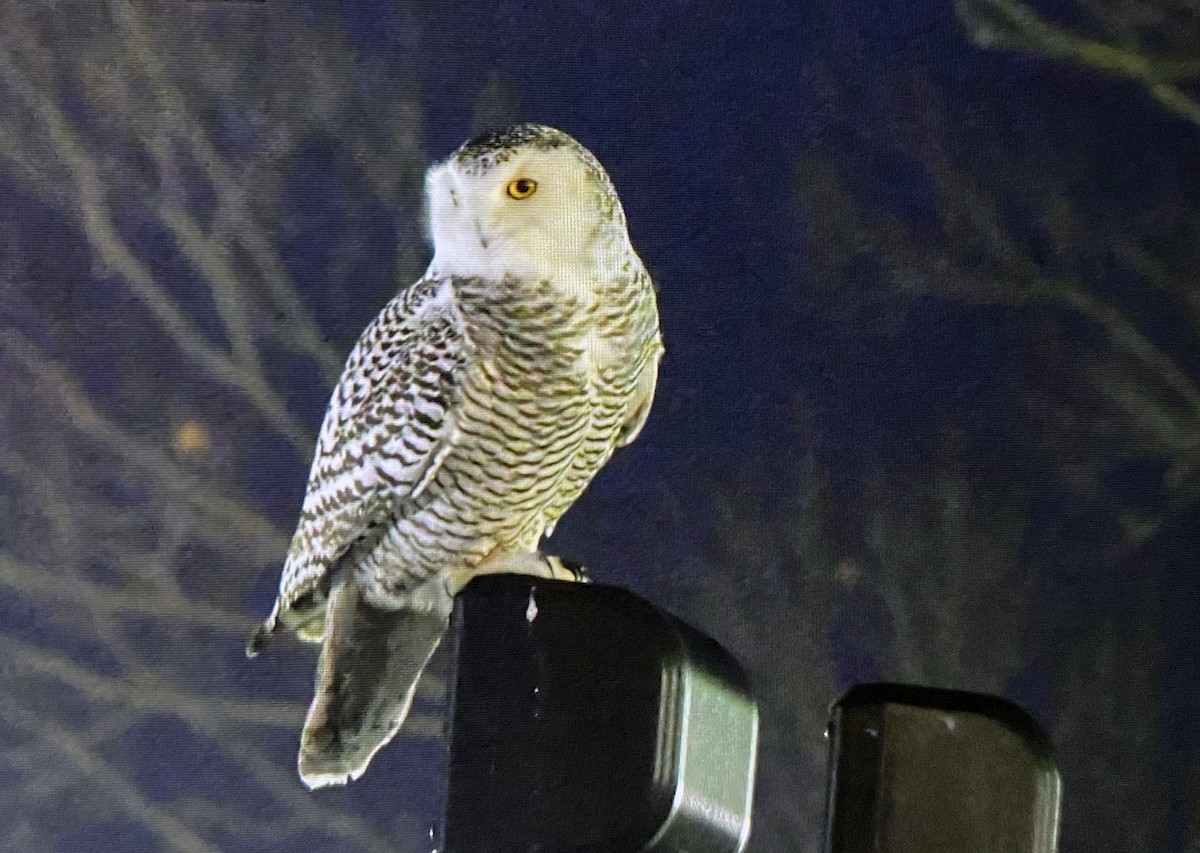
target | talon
x=579, y=572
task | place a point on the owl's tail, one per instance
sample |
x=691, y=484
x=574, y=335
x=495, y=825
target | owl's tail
x=371, y=661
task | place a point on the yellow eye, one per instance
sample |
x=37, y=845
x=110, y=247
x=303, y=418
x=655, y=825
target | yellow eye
x=521, y=188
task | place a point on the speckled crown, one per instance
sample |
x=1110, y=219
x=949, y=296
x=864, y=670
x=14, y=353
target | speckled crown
x=498, y=145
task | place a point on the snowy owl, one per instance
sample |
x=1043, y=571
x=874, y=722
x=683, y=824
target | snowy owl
x=471, y=414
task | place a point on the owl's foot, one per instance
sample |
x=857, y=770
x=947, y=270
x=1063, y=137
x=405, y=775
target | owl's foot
x=535, y=564
x=568, y=570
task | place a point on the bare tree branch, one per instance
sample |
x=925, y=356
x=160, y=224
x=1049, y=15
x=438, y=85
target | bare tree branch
x=231, y=196
x=148, y=695
x=1015, y=26
x=96, y=221
x=224, y=513
x=131, y=534
x=174, y=834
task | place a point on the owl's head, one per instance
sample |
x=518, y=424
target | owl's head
x=526, y=201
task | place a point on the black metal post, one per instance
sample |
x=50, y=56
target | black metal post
x=584, y=719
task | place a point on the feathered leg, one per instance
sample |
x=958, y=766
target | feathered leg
x=535, y=563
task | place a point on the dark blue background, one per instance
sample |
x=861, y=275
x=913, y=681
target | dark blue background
x=819, y=416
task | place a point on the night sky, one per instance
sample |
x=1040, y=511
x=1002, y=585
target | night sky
x=698, y=110
x=707, y=115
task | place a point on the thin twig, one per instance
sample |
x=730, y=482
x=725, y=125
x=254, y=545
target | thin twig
x=173, y=833
x=156, y=697
x=1158, y=75
x=96, y=220
x=216, y=509
x=230, y=193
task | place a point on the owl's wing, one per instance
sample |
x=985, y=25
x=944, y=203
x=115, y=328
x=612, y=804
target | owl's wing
x=388, y=427
x=651, y=355
x=643, y=397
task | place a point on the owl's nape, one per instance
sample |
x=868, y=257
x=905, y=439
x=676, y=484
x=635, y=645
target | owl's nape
x=371, y=661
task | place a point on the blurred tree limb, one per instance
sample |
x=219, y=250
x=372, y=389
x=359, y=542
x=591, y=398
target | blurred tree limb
x=768, y=585
x=978, y=257
x=159, y=147
x=172, y=833
x=1012, y=25
x=242, y=369
x=930, y=204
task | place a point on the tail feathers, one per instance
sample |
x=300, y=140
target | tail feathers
x=370, y=663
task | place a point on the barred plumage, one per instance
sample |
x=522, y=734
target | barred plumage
x=471, y=414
